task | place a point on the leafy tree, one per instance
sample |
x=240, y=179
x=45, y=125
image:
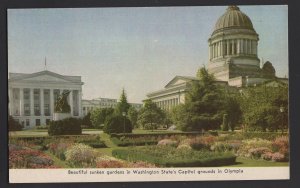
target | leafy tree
x=99, y=116
x=204, y=107
x=117, y=124
x=13, y=125
x=150, y=116
x=123, y=105
x=233, y=111
x=86, y=121
x=133, y=116
x=261, y=108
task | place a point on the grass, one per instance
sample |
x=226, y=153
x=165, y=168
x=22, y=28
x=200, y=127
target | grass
x=57, y=161
x=44, y=132
x=245, y=162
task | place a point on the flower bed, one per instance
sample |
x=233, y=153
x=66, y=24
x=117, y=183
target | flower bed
x=167, y=156
x=23, y=157
x=141, y=141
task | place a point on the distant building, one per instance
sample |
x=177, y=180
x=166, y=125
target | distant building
x=233, y=60
x=32, y=96
x=174, y=92
x=89, y=105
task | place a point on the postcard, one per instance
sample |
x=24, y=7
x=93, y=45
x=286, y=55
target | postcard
x=131, y=94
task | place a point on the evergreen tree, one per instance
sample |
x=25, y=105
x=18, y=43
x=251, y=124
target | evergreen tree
x=123, y=105
x=133, y=116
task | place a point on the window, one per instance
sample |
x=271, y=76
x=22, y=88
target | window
x=37, y=122
x=27, y=122
x=47, y=109
x=27, y=109
x=37, y=111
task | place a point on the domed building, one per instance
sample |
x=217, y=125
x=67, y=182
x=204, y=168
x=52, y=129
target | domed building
x=233, y=55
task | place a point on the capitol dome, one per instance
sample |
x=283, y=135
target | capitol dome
x=233, y=18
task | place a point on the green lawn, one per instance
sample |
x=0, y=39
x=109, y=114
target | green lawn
x=44, y=132
x=244, y=162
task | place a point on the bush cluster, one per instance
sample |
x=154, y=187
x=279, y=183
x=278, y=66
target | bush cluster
x=171, y=157
x=80, y=155
x=141, y=141
x=68, y=126
x=117, y=124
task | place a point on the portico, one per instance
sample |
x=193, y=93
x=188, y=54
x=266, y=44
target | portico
x=32, y=96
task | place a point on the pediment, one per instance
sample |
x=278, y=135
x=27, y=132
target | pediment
x=178, y=80
x=45, y=78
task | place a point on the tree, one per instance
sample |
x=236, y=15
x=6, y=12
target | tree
x=13, y=125
x=150, y=116
x=99, y=116
x=261, y=107
x=117, y=124
x=233, y=111
x=123, y=105
x=86, y=121
x=133, y=116
x=204, y=107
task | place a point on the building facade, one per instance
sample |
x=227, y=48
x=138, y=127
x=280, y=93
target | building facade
x=89, y=105
x=32, y=96
x=174, y=92
x=233, y=54
x=233, y=60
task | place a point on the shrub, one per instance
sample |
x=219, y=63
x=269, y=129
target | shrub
x=13, y=125
x=140, y=141
x=80, y=155
x=267, y=156
x=281, y=145
x=278, y=157
x=256, y=153
x=117, y=124
x=59, y=149
x=221, y=147
x=110, y=164
x=198, y=143
x=167, y=142
x=68, y=126
x=252, y=144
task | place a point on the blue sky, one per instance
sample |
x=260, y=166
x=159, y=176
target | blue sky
x=140, y=49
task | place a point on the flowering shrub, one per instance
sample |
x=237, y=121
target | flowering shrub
x=247, y=145
x=281, y=145
x=221, y=147
x=256, y=153
x=59, y=149
x=278, y=157
x=80, y=155
x=167, y=142
x=184, y=146
x=141, y=164
x=28, y=158
x=110, y=164
x=267, y=156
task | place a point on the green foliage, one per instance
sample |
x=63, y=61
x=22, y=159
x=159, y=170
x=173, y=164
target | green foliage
x=86, y=121
x=225, y=123
x=100, y=115
x=13, y=125
x=233, y=110
x=204, y=107
x=141, y=141
x=123, y=105
x=261, y=108
x=150, y=116
x=168, y=156
x=133, y=116
x=68, y=126
x=117, y=124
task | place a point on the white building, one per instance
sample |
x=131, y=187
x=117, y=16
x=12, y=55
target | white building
x=174, y=92
x=89, y=105
x=32, y=96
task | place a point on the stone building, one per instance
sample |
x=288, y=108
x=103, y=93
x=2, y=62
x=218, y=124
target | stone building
x=89, y=105
x=32, y=96
x=233, y=60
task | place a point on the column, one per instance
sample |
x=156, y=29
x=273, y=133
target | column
x=31, y=101
x=228, y=46
x=21, y=102
x=79, y=103
x=222, y=49
x=51, y=102
x=232, y=47
x=242, y=46
x=10, y=98
x=209, y=55
x=71, y=102
x=238, y=46
x=250, y=46
x=42, y=102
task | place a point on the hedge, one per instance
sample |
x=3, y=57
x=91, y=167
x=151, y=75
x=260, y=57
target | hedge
x=213, y=159
x=132, y=142
x=133, y=135
x=68, y=126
